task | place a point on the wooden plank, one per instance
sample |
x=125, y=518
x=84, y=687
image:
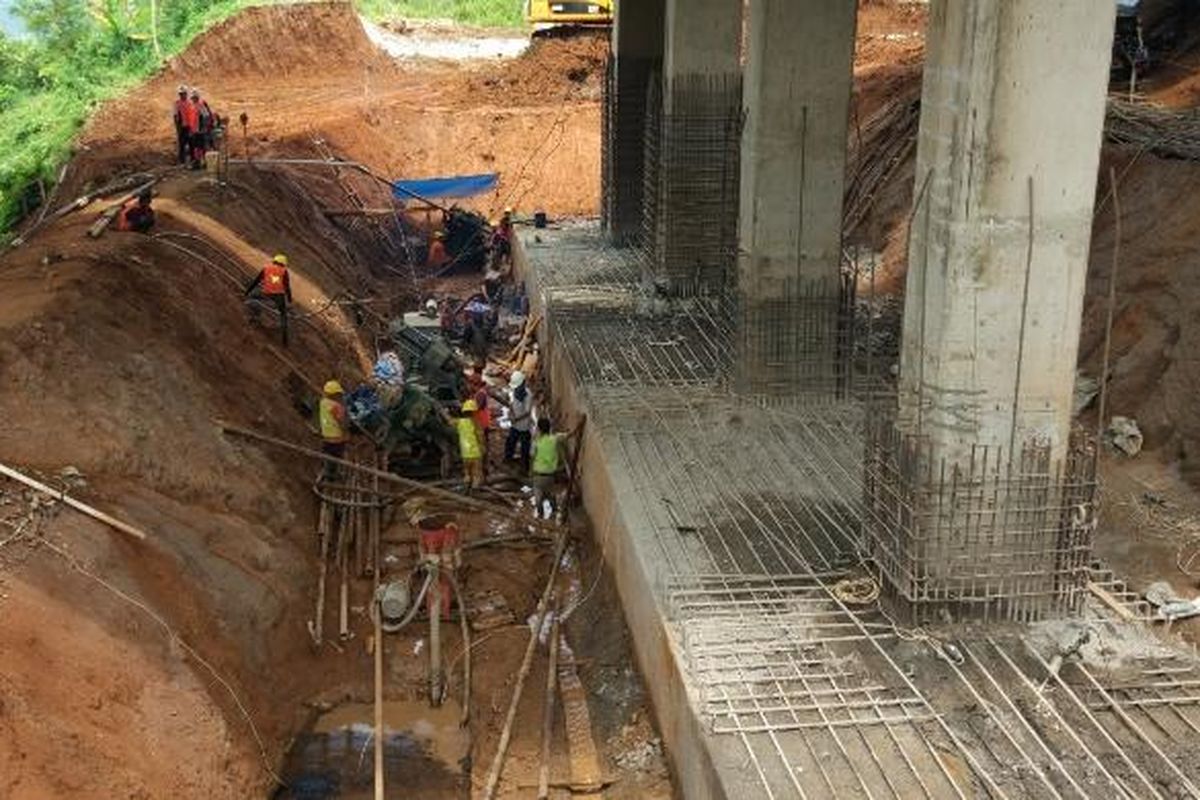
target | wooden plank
x=1115, y=605
x=587, y=778
x=83, y=508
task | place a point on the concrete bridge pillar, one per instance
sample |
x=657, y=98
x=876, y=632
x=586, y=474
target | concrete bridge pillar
x=977, y=500
x=693, y=165
x=636, y=59
x=1011, y=121
x=793, y=162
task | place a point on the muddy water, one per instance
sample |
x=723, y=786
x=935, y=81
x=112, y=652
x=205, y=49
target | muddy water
x=425, y=754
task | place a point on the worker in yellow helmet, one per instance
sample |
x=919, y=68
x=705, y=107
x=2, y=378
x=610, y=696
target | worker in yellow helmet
x=331, y=417
x=470, y=447
x=272, y=286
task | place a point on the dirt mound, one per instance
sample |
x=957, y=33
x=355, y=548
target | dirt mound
x=552, y=69
x=1155, y=377
x=280, y=40
x=118, y=355
x=535, y=119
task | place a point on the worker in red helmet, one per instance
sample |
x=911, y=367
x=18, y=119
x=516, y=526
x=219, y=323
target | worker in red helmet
x=272, y=286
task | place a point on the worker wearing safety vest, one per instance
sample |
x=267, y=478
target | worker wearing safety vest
x=183, y=136
x=331, y=417
x=438, y=257
x=547, y=458
x=469, y=446
x=136, y=215
x=272, y=286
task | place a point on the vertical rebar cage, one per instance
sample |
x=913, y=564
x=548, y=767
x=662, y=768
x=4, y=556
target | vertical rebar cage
x=990, y=538
x=692, y=168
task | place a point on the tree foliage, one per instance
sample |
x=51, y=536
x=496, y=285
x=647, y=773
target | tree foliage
x=78, y=53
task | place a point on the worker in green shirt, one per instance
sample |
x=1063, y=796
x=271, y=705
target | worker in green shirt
x=547, y=459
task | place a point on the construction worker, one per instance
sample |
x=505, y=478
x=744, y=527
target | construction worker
x=183, y=136
x=438, y=257
x=547, y=459
x=520, y=419
x=469, y=447
x=272, y=285
x=136, y=215
x=202, y=131
x=501, y=243
x=331, y=417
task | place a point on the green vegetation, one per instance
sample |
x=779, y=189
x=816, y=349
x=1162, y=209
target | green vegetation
x=82, y=52
x=484, y=13
x=78, y=53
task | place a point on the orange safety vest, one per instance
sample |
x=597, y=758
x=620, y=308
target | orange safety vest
x=274, y=279
x=191, y=117
x=123, y=217
x=437, y=254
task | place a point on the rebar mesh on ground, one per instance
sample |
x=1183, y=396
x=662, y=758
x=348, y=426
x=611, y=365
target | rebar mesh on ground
x=994, y=537
x=692, y=169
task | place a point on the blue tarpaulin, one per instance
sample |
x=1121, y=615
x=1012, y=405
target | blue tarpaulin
x=443, y=188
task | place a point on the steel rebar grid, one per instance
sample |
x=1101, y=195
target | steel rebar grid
x=995, y=537
x=752, y=508
x=692, y=149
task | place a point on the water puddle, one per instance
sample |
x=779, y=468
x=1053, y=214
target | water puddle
x=425, y=754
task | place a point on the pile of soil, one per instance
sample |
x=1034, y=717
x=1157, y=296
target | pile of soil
x=277, y=41
x=1154, y=375
x=119, y=354
x=534, y=120
x=568, y=69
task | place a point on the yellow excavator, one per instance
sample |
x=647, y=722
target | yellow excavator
x=547, y=14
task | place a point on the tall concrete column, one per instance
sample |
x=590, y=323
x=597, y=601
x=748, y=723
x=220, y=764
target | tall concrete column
x=694, y=165
x=796, y=98
x=977, y=504
x=1011, y=121
x=636, y=59
x=703, y=37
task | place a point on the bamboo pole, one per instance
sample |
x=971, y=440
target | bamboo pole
x=82, y=508
x=377, y=617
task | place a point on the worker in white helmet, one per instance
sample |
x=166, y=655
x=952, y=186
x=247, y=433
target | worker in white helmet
x=183, y=134
x=520, y=419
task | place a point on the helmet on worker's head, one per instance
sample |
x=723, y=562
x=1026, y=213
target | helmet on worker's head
x=439, y=235
x=508, y=212
x=470, y=405
x=280, y=259
x=332, y=388
x=516, y=379
x=431, y=306
x=183, y=88
x=195, y=93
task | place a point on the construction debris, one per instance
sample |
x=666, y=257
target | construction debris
x=1123, y=433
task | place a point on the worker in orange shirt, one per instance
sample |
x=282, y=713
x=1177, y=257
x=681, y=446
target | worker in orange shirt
x=438, y=257
x=190, y=113
x=202, y=130
x=183, y=136
x=136, y=215
x=272, y=285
